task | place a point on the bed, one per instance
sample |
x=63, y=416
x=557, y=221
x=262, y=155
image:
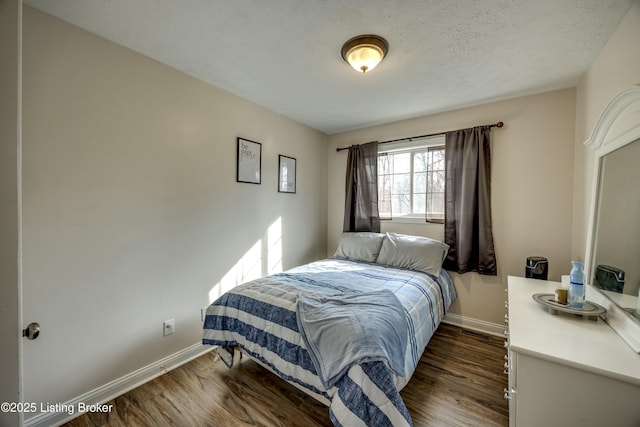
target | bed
x=348, y=330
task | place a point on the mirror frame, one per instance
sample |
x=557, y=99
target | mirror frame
x=618, y=125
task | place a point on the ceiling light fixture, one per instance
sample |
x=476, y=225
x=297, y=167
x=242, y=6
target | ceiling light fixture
x=364, y=52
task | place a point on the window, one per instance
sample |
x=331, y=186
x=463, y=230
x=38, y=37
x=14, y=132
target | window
x=411, y=181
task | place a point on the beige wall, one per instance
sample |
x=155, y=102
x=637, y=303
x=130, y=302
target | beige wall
x=616, y=68
x=10, y=39
x=132, y=215
x=532, y=170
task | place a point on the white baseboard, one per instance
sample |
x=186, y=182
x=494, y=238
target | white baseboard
x=118, y=387
x=474, y=324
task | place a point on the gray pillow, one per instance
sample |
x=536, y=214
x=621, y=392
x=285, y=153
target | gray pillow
x=413, y=253
x=361, y=246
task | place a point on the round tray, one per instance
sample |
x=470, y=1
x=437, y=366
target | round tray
x=591, y=310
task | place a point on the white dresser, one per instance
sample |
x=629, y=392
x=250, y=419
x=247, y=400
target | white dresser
x=565, y=370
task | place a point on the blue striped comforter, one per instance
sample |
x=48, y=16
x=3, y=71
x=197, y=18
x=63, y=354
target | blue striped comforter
x=260, y=317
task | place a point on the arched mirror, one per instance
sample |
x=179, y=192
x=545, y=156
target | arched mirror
x=613, y=252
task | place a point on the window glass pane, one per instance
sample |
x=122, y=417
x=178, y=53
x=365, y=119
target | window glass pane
x=401, y=183
x=432, y=185
x=384, y=208
x=436, y=203
x=419, y=202
x=384, y=164
x=402, y=163
x=384, y=184
x=420, y=183
x=420, y=161
x=439, y=180
x=401, y=204
x=384, y=195
x=437, y=158
x=436, y=182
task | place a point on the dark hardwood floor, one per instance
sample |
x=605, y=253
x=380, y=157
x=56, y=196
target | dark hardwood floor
x=458, y=382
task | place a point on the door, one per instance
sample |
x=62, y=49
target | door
x=10, y=146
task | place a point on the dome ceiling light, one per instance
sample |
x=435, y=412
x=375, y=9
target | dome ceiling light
x=364, y=52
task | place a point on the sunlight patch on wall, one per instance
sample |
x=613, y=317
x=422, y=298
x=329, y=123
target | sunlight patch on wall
x=264, y=257
x=247, y=268
x=274, y=247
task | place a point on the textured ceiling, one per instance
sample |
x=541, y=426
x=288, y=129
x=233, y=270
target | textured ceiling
x=285, y=54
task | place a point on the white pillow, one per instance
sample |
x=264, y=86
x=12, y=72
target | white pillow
x=413, y=253
x=361, y=246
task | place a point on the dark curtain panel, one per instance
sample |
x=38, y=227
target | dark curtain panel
x=361, y=192
x=467, y=222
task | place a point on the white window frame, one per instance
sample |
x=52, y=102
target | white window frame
x=407, y=146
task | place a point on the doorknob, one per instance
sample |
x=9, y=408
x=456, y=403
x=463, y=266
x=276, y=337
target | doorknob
x=32, y=331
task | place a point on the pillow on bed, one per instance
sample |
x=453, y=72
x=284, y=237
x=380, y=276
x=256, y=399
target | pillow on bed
x=413, y=253
x=360, y=246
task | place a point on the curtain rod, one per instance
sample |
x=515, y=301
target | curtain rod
x=497, y=125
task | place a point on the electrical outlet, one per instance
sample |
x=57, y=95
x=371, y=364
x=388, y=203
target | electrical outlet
x=169, y=327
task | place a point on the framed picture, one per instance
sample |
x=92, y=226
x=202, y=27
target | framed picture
x=286, y=174
x=249, y=161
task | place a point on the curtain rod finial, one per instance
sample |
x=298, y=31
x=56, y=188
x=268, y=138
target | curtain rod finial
x=499, y=124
